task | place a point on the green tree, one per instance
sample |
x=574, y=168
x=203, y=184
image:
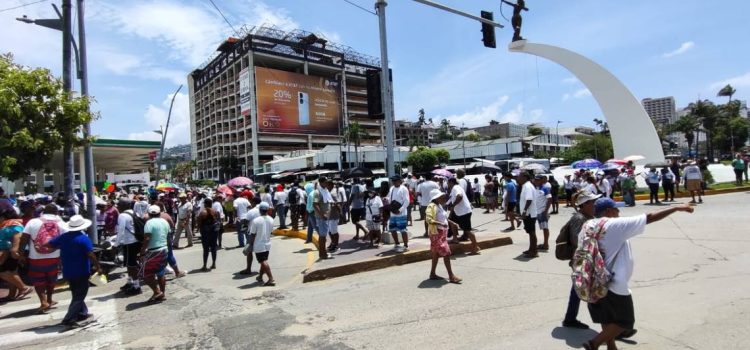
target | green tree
x=535, y=130
x=354, y=133
x=494, y=122
x=473, y=137
x=37, y=118
x=183, y=171
x=597, y=147
x=229, y=167
x=706, y=113
x=688, y=126
x=727, y=91
x=425, y=159
x=421, y=120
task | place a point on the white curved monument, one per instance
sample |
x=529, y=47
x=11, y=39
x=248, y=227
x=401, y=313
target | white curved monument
x=632, y=131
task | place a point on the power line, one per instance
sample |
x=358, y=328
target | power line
x=24, y=5
x=225, y=18
x=360, y=7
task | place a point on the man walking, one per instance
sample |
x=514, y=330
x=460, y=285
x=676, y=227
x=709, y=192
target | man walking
x=296, y=201
x=184, y=214
x=693, y=180
x=460, y=208
x=260, y=239
x=43, y=261
x=510, y=201
x=154, y=254
x=131, y=247
x=543, y=203
x=240, y=207
x=76, y=255
x=357, y=204
x=398, y=203
x=322, y=210
x=529, y=212
x=279, y=197
x=615, y=311
x=252, y=214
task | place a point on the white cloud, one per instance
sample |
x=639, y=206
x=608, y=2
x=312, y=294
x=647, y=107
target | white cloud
x=482, y=115
x=581, y=93
x=278, y=17
x=179, y=124
x=126, y=64
x=571, y=80
x=685, y=47
x=738, y=81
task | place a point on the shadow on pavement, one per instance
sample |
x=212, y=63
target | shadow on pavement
x=138, y=305
x=20, y=314
x=305, y=251
x=251, y=285
x=47, y=329
x=242, y=276
x=428, y=283
x=197, y=271
x=524, y=258
x=574, y=338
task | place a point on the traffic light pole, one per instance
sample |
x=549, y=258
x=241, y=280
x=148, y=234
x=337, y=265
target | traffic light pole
x=385, y=83
x=460, y=13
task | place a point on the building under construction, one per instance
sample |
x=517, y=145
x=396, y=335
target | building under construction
x=298, y=112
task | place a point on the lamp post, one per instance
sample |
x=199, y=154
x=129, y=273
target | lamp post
x=164, y=134
x=557, y=139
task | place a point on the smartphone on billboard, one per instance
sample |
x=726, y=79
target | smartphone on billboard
x=303, y=108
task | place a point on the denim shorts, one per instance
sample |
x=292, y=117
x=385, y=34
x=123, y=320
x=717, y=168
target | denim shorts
x=322, y=226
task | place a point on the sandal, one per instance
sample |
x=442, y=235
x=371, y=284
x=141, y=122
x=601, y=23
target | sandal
x=587, y=345
x=24, y=293
x=270, y=284
x=259, y=278
x=455, y=280
x=436, y=278
x=542, y=247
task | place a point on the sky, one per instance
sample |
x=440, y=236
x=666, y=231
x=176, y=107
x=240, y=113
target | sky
x=140, y=51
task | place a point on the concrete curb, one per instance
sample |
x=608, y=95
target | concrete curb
x=294, y=234
x=686, y=194
x=394, y=260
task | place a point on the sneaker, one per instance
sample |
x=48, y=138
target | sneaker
x=133, y=291
x=126, y=286
x=85, y=317
x=70, y=325
x=627, y=334
x=575, y=324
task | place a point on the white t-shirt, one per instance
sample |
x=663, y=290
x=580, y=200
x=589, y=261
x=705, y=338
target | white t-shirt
x=464, y=183
x=528, y=193
x=693, y=172
x=184, y=210
x=217, y=207
x=373, y=207
x=125, y=228
x=401, y=195
x=477, y=187
x=266, y=197
x=262, y=228
x=615, y=247
x=463, y=207
x=252, y=214
x=240, y=205
x=606, y=187
x=32, y=229
x=339, y=195
x=280, y=197
x=542, y=195
x=424, y=190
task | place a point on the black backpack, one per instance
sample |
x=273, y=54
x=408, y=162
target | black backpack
x=138, y=225
x=469, y=191
x=293, y=196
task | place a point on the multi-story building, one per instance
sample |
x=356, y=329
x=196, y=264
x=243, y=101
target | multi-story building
x=661, y=110
x=411, y=133
x=301, y=89
x=502, y=130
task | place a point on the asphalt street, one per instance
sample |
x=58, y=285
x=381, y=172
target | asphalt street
x=688, y=287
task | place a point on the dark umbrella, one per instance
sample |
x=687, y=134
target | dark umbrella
x=357, y=172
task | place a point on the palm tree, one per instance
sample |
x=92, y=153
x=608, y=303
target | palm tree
x=705, y=112
x=421, y=119
x=687, y=125
x=727, y=91
x=354, y=133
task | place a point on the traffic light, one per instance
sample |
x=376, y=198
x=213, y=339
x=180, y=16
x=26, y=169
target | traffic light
x=488, y=31
x=374, y=94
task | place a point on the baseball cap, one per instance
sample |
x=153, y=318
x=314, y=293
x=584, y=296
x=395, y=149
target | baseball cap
x=586, y=196
x=396, y=178
x=183, y=195
x=605, y=203
x=154, y=209
x=263, y=206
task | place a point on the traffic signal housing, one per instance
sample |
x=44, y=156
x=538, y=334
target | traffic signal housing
x=488, y=31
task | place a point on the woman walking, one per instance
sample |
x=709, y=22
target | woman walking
x=209, y=223
x=373, y=217
x=10, y=242
x=437, y=229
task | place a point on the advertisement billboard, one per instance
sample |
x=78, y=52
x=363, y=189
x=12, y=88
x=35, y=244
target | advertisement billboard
x=245, y=91
x=297, y=103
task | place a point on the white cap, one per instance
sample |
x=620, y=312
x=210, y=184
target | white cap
x=154, y=209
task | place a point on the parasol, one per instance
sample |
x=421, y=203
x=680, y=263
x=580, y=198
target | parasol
x=634, y=158
x=536, y=168
x=240, y=181
x=617, y=161
x=225, y=190
x=586, y=164
x=443, y=173
x=166, y=187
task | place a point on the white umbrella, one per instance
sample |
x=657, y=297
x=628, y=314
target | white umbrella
x=634, y=158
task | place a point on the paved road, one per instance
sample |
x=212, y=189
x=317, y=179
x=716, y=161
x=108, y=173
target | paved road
x=689, y=291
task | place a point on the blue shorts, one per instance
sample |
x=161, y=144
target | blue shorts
x=322, y=226
x=397, y=224
x=333, y=226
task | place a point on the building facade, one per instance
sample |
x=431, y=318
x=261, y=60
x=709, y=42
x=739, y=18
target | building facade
x=662, y=110
x=502, y=130
x=411, y=133
x=224, y=99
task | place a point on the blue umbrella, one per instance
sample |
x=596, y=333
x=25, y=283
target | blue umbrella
x=610, y=166
x=586, y=164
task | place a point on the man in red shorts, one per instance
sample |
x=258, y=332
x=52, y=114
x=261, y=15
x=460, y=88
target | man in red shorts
x=44, y=262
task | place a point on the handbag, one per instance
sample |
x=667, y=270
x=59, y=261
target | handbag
x=375, y=218
x=394, y=206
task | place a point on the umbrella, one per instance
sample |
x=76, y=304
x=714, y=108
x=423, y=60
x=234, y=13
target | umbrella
x=443, y=173
x=358, y=172
x=617, y=161
x=634, y=158
x=240, y=181
x=657, y=164
x=378, y=182
x=609, y=166
x=166, y=186
x=225, y=189
x=535, y=167
x=586, y=164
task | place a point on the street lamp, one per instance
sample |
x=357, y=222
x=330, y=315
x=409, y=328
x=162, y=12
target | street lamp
x=557, y=138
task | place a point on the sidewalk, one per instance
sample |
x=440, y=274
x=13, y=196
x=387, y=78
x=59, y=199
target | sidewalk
x=357, y=256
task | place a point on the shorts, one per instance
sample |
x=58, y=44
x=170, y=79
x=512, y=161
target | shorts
x=43, y=272
x=357, y=214
x=463, y=221
x=510, y=206
x=261, y=256
x=491, y=198
x=10, y=264
x=322, y=226
x=529, y=225
x=397, y=223
x=130, y=254
x=373, y=226
x=693, y=185
x=154, y=263
x=614, y=308
x=422, y=211
x=333, y=226
x=543, y=221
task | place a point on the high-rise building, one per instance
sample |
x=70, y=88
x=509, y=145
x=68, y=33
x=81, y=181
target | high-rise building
x=661, y=110
x=502, y=130
x=411, y=133
x=302, y=89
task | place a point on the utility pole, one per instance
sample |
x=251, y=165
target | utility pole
x=67, y=84
x=88, y=155
x=385, y=83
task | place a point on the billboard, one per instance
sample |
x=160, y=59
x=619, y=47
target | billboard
x=245, y=91
x=297, y=103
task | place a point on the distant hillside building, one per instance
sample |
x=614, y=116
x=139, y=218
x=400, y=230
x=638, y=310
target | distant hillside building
x=408, y=132
x=662, y=110
x=502, y=130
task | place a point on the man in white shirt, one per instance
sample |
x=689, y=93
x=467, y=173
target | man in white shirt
x=43, y=262
x=252, y=214
x=397, y=223
x=423, y=196
x=241, y=205
x=529, y=206
x=130, y=245
x=693, y=180
x=543, y=202
x=260, y=238
x=460, y=208
x=140, y=208
x=615, y=311
x=184, y=214
x=280, y=204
